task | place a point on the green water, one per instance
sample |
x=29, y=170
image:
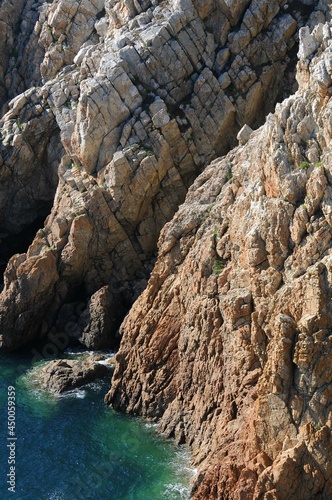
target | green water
x=75, y=447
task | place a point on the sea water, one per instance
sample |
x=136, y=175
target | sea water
x=74, y=447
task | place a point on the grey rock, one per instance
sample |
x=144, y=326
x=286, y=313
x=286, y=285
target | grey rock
x=244, y=134
x=124, y=109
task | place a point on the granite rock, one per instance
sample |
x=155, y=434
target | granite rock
x=228, y=347
x=111, y=110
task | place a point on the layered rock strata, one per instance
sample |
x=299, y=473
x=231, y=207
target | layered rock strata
x=120, y=105
x=229, y=347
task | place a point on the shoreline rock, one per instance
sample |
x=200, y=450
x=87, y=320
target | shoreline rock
x=63, y=375
x=229, y=346
x=119, y=106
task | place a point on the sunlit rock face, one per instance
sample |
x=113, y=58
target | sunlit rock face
x=111, y=110
x=229, y=347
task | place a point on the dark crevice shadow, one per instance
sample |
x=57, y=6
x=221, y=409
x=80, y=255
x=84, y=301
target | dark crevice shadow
x=12, y=244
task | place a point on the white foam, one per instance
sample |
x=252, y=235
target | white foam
x=150, y=425
x=106, y=362
x=76, y=393
x=176, y=491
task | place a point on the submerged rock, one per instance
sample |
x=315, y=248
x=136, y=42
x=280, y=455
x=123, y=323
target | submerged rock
x=63, y=375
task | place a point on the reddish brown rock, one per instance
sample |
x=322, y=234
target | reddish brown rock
x=100, y=321
x=229, y=345
x=228, y=348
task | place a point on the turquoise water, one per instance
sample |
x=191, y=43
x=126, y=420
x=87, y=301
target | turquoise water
x=75, y=447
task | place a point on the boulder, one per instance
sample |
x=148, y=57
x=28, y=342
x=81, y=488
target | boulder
x=63, y=375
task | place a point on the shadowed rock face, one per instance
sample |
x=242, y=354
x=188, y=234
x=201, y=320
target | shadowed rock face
x=122, y=105
x=229, y=347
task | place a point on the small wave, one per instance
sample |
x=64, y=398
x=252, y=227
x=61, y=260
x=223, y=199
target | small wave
x=176, y=491
x=109, y=354
x=96, y=385
x=192, y=472
x=74, y=393
x=79, y=351
x=106, y=362
x=150, y=425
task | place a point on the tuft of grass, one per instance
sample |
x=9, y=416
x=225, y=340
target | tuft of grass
x=319, y=164
x=229, y=175
x=304, y=165
x=148, y=151
x=19, y=125
x=218, y=267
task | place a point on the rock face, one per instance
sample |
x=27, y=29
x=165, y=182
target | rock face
x=63, y=375
x=229, y=347
x=118, y=106
x=113, y=109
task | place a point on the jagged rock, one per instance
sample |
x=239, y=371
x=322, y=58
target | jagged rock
x=119, y=106
x=30, y=151
x=28, y=281
x=244, y=134
x=126, y=102
x=100, y=321
x=63, y=375
x=229, y=345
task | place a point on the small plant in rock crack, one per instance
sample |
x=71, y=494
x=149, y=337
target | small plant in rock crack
x=215, y=234
x=19, y=125
x=148, y=151
x=70, y=104
x=218, y=266
x=319, y=164
x=304, y=165
x=229, y=174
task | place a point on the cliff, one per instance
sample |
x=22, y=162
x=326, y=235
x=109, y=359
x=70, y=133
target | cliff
x=111, y=110
x=229, y=347
x=115, y=113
